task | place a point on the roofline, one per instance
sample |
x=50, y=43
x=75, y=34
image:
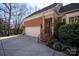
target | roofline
x=40, y=10
x=37, y=14
x=71, y=11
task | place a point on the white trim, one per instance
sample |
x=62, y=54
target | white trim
x=66, y=16
x=43, y=22
x=52, y=25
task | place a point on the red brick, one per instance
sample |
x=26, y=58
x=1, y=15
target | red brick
x=34, y=22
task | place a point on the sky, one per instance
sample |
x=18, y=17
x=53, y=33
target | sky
x=42, y=5
x=40, y=1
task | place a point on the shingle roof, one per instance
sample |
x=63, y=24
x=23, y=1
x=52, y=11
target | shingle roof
x=44, y=9
x=69, y=7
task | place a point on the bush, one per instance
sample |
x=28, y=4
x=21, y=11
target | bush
x=69, y=34
x=57, y=26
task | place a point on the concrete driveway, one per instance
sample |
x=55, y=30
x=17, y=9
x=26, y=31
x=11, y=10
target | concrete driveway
x=25, y=46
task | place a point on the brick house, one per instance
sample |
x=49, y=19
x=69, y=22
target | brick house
x=42, y=22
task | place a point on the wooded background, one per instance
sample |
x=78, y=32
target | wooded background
x=11, y=17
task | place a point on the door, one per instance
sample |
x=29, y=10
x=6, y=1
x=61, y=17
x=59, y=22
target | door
x=48, y=29
x=48, y=26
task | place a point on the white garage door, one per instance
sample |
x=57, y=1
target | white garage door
x=32, y=31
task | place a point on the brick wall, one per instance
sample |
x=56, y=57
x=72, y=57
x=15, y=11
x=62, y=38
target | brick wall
x=34, y=22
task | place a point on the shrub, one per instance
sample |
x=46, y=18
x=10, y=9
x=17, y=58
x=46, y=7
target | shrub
x=69, y=34
x=57, y=26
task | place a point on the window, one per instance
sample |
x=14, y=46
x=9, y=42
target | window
x=78, y=18
x=71, y=19
x=41, y=25
x=74, y=19
x=64, y=20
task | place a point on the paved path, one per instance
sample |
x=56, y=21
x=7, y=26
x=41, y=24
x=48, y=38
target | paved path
x=25, y=46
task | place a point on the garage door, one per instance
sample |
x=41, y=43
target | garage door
x=32, y=31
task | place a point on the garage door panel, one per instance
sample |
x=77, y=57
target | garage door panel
x=32, y=31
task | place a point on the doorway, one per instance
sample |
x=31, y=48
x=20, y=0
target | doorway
x=47, y=31
x=48, y=26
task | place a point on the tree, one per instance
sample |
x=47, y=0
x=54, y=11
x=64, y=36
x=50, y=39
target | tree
x=18, y=15
x=1, y=26
x=36, y=8
x=13, y=15
x=3, y=30
x=9, y=8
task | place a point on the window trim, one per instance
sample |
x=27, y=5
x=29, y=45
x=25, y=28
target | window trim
x=73, y=19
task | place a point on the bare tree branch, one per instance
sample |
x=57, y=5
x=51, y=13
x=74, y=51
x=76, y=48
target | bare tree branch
x=6, y=5
x=4, y=10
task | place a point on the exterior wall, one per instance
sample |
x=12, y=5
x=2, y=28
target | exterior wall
x=66, y=16
x=32, y=31
x=32, y=27
x=34, y=22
